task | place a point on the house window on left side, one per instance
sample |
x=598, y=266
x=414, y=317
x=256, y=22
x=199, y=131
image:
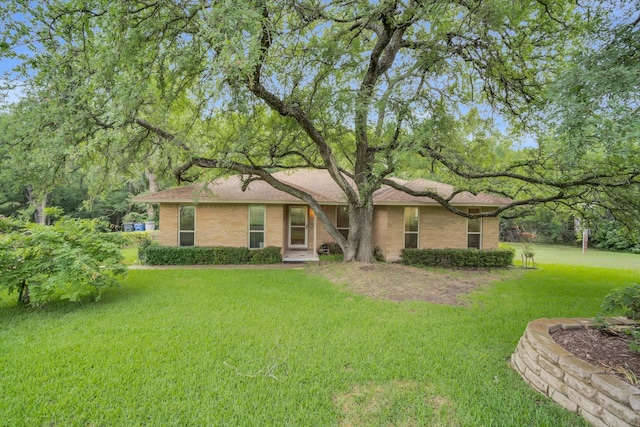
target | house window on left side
x=342, y=220
x=411, y=227
x=256, y=227
x=187, y=226
x=474, y=230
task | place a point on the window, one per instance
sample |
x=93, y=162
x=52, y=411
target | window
x=342, y=220
x=187, y=226
x=411, y=225
x=256, y=227
x=474, y=230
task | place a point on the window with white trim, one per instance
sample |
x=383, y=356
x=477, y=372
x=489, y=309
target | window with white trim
x=411, y=227
x=256, y=226
x=474, y=230
x=342, y=220
x=186, y=225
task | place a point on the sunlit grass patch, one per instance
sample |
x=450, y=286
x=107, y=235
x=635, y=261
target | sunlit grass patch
x=130, y=255
x=573, y=255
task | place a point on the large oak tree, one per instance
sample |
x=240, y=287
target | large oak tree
x=350, y=86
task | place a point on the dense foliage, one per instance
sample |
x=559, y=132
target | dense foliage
x=133, y=238
x=542, y=225
x=625, y=302
x=462, y=258
x=613, y=236
x=353, y=87
x=69, y=260
x=153, y=254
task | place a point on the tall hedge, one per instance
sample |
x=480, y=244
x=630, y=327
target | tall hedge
x=467, y=258
x=199, y=255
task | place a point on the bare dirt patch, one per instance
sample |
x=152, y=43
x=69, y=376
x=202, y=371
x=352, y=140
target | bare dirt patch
x=398, y=282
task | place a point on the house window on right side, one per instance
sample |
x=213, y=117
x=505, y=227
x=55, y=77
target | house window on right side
x=187, y=226
x=342, y=220
x=411, y=227
x=474, y=230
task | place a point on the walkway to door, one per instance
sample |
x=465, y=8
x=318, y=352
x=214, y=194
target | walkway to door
x=292, y=255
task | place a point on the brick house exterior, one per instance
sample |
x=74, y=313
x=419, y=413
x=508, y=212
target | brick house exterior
x=220, y=213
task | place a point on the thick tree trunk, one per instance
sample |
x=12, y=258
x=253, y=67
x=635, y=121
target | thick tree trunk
x=360, y=243
x=153, y=188
x=38, y=216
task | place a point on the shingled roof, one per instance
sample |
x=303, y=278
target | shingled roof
x=314, y=181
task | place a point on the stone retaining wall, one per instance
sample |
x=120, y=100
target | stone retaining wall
x=601, y=399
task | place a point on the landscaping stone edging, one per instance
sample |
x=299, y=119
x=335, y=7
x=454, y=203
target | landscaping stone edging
x=601, y=399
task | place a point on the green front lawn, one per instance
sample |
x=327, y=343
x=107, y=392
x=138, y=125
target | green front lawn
x=280, y=347
x=572, y=255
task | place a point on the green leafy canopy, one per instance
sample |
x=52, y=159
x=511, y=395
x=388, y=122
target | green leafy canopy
x=353, y=87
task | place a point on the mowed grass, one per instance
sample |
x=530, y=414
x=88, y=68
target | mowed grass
x=572, y=255
x=130, y=255
x=280, y=347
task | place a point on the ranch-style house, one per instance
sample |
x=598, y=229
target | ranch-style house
x=222, y=213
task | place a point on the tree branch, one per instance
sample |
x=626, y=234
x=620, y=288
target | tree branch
x=446, y=202
x=161, y=133
x=596, y=179
x=294, y=111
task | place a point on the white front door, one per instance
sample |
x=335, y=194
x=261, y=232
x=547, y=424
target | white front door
x=298, y=227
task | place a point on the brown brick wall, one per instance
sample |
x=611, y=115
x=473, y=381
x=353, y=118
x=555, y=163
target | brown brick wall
x=490, y=231
x=168, y=225
x=394, y=239
x=274, y=226
x=227, y=225
x=222, y=225
x=380, y=218
x=441, y=229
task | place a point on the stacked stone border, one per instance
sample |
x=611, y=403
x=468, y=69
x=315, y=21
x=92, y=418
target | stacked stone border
x=600, y=398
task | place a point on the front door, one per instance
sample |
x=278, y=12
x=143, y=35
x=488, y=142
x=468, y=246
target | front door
x=298, y=227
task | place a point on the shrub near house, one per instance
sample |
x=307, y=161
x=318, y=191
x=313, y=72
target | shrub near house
x=151, y=253
x=463, y=258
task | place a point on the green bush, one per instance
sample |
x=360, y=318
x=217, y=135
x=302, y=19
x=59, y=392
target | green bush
x=268, y=255
x=135, y=237
x=153, y=254
x=142, y=249
x=612, y=236
x=461, y=258
x=625, y=302
x=70, y=259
